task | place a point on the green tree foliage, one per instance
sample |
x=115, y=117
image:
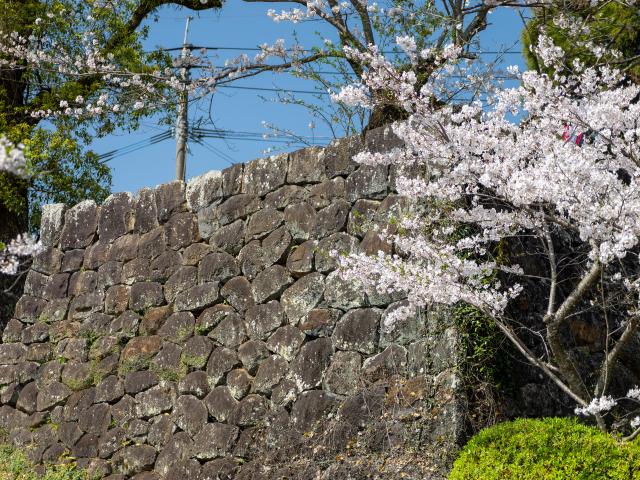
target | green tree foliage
x=62, y=169
x=546, y=449
x=613, y=25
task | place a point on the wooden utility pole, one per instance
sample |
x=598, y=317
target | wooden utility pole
x=182, y=123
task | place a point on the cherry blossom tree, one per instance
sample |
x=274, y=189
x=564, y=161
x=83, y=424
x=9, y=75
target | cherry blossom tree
x=12, y=161
x=510, y=176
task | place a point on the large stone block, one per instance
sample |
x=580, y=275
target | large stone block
x=51, y=223
x=204, y=190
x=80, y=223
x=115, y=217
x=264, y=175
x=302, y=296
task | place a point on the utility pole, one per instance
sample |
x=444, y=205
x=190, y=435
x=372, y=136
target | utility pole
x=182, y=123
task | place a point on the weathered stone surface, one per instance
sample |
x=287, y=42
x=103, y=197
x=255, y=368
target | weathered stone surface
x=343, y=294
x=72, y=260
x=300, y=260
x=372, y=243
x=154, y=318
x=269, y=374
x=263, y=222
x=229, y=238
x=179, y=447
x=338, y=155
x=110, y=274
x=145, y=211
x=124, y=248
x=309, y=366
x=136, y=382
x=109, y=390
x=183, y=469
x=300, y=220
x=29, y=309
x=136, y=270
x=167, y=362
x=152, y=244
x=51, y=223
x=232, y=179
x=204, y=190
x=196, y=351
x=155, y=400
x=249, y=411
x=310, y=408
x=170, y=199
x=305, y=166
x=238, y=293
x=358, y=330
x=221, y=403
x=323, y=194
x=11, y=353
x=194, y=253
x=270, y=283
x=341, y=243
x=264, y=175
x=165, y=265
x=343, y=375
x=393, y=360
x=138, y=352
x=252, y=353
x=178, y=327
x=145, y=295
x=76, y=375
x=110, y=442
x=286, y=341
x=161, y=430
x=362, y=217
x=221, y=361
x=302, y=296
x=198, y=297
x=238, y=207
x=116, y=299
x=190, y=414
x=52, y=394
x=230, y=332
x=183, y=279
x=215, y=440
x=134, y=459
x=95, y=419
x=181, y=230
x=80, y=224
x=217, y=267
x=126, y=325
x=115, y=217
x=368, y=182
x=239, y=383
x=332, y=219
x=27, y=400
x=260, y=320
x=195, y=383
x=284, y=196
x=404, y=331
x=319, y=322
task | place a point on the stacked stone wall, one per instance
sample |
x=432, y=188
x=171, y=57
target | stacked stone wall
x=201, y=331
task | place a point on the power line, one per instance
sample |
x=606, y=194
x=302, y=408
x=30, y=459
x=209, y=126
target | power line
x=257, y=49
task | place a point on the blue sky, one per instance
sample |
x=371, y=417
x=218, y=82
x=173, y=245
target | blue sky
x=240, y=24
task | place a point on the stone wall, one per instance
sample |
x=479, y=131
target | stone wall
x=200, y=331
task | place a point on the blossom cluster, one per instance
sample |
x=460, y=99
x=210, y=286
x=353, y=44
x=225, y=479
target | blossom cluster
x=512, y=176
x=87, y=55
x=12, y=160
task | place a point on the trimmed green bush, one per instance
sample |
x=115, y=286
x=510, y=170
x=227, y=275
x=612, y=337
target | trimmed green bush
x=549, y=448
x=15, y=466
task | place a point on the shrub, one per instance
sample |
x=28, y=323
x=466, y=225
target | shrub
x=14, y=465
x=550, y=448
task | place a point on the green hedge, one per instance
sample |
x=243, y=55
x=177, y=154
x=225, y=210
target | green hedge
x=15, y=466
x=550, y=448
